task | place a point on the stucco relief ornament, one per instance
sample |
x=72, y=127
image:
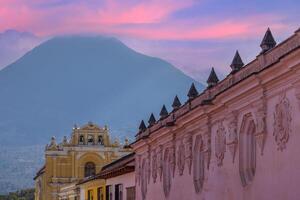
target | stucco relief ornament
x=180, y=158
x=160, y=161
x=260, y=134
x=53, y=146
x=220, y=144
x=144, y=179
x=189, y=151
x=149, y=166
x=138, y=169
x=282, y=122
x=297, y=93
x=198, y=164
x=154, y=166
x=166, y=172
x=232, y=137
x=173, y=159
x=207, y=148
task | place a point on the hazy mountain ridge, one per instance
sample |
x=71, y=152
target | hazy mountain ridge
x=14, y=44
x=77, y=79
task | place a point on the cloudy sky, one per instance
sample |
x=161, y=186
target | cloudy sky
x=194, y=35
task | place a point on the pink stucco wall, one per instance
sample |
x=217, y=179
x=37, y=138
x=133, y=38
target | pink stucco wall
x=271, y=99
x=127, y=180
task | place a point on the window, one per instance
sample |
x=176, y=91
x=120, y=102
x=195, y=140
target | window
x=109, y=194
x=89, y=169
x=90, y=195
x=100, y=140
x=90, y=139
x=130, y=193
x=100, y=195
x=81, y=139
x=247, y=150
x=119, y=192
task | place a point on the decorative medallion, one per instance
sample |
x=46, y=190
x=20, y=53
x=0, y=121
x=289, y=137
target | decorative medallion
x=282, y=122
x=198, y=164
x=220, y=144
x=180, y=158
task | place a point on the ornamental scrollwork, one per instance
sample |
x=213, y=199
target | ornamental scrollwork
x=220, y=144
x=149, y=166
x=144, y=179
x=160, y=161
x=181, y=158
x=166, y=172
x=173, y=159
x=154, y=166
x=232, y=136
x=282, y=122
x=189, y=151
x=198, y=164
x=260, y=134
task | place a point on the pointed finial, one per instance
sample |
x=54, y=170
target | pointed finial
x=176, y=103
x=75, y=126
x=151, y=120
x=268, y=41
x=164, y=112
x=142, y=126
x=65, y=140
x=53, y=141
x=237, y=62
x=212, y=79
x=193, y=93
x=126, y=141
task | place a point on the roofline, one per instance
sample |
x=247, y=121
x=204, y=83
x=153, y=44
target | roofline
x=118, y=160
x=206, y=90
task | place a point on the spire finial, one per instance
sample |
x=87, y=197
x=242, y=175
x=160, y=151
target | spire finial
x=237, y=62
x=142, y=126
x=164, y=112
x=212, y=79
x=151, y=120
x=193, y=93
x=176, y=103
x=268, y=41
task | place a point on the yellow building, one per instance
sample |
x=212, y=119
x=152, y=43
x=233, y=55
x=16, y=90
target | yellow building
x=116, y=181
x=69, y=162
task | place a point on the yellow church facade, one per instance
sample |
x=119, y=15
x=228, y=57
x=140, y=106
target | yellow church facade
x=71, y=161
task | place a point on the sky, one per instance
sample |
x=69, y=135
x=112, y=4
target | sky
x=194, y=35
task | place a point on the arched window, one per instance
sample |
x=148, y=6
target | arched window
x=90, y=139
x=89, y=169
x=100, y=140
x=81, y=139
x=247, y=150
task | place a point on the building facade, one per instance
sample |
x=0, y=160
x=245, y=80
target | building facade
x=118, y=181
x=70, y=161
x=237, y=140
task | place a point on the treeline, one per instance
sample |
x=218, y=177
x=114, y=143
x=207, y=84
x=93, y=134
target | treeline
x=27, y=194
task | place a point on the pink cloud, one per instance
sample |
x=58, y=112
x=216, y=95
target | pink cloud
x=151, y=11
x=151, y=19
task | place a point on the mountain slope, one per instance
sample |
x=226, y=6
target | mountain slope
x=76, y=79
